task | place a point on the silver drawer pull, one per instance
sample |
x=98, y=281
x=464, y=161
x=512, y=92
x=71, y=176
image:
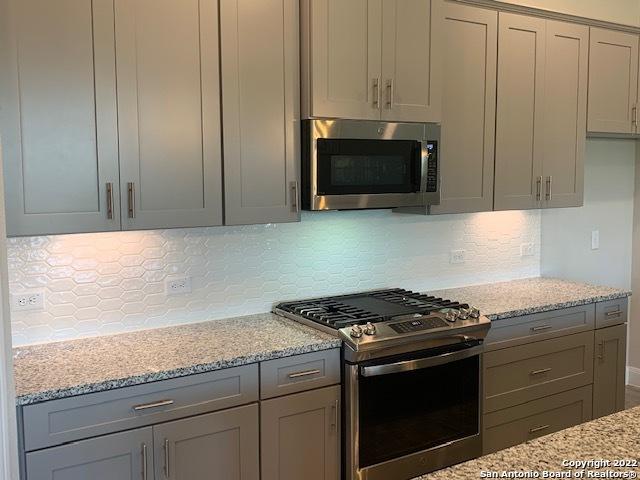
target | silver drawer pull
x=540, y=372
x=147, y=406
x=144, y=461
x=617, y=313
x=306, y=373
x=541, y=328
x=538, y=429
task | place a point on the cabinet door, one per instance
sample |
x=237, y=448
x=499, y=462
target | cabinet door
x=58, y=122
x=121, y=456
x=609, y=370
x=469, y=109
x=565, y=113
x=613, y=81
x=345, y=42
x=221, y=445
x=169, y=113
x=411, y=60
x=300, y=436
x=261, y=110
x=519, y=139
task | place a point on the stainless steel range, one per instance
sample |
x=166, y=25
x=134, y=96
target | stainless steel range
x=412, y=378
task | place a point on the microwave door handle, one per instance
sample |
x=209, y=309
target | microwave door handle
x=420, y=363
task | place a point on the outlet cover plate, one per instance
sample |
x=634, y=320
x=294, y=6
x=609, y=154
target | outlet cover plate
x=27, y=301
x=526, y=249
x=457, y=256
x=177, y=285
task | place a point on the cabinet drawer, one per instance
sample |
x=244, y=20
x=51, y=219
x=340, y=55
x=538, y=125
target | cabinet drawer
x=612, y=312
x=300, y=372
x=65, y=420
x=516, y=375
x=540, y=326
x=515, y=425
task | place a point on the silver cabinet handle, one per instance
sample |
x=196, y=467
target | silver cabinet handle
x=295, y=203
x=541, y=328
x=306, y=373
x=147, y=406
x=336, y=408
x=548, y=194
x=109, y=201
x=390, y=94
x=616, y=313
x=634, y=115
x=167, y=472
x=131, y=199
x=144, y=461
x=538, y=429
x=376, y=93
x=540, y=372
x=538, y=189
x=601, y=350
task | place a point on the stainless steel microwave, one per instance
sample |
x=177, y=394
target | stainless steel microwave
x=354, y=164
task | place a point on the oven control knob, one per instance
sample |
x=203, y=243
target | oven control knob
x=474, y=313
x=356, y=331
x=464, y=313
x=370, y=329
x=451, y=316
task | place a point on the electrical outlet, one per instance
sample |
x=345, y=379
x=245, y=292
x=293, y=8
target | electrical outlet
x=595, y=240
x=526, y=249
x=457, y=256
x=29, y=301
x=177, y=285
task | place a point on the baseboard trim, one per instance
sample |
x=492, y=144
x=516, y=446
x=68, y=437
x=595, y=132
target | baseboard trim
x=633, y=376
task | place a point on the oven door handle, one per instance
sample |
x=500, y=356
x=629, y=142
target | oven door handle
x=420, y=363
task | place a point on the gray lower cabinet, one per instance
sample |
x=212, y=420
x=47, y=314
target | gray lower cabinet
x=548, y=371
x=511, y=426
x=609, y=370
x=221, y=445
x=120, y=456
x=301, y=436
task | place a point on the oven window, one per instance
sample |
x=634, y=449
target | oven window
x=368, y=166
x=404, y=413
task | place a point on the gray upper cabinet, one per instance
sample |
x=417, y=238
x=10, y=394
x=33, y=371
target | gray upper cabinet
x=58, y=121
x=342, y=62
x=609, y=370
x=519, y=139
x=468, y=109
x=169, y=113
x=260, y=99
x=371, y=59
x=300, y=436
x=565, y=114
x=121, y=456
x=411, y=59
x=218, y=445
x=613, y=82
x=541, y=113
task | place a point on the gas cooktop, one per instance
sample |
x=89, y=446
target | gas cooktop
x=385, y=318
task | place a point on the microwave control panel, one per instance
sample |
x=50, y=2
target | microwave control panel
x=432, y=166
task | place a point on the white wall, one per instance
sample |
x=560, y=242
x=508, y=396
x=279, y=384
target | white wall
x=608, y=208
x=619, y=11
x=113, y=282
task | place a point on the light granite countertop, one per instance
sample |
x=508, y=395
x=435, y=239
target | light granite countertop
x=529, y=295
x=616, y=437
x=64, y=369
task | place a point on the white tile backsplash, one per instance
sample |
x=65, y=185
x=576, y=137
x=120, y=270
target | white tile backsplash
x=107, y=283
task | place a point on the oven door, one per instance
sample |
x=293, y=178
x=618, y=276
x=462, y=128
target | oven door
x=413, y=414
x=357, y=164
